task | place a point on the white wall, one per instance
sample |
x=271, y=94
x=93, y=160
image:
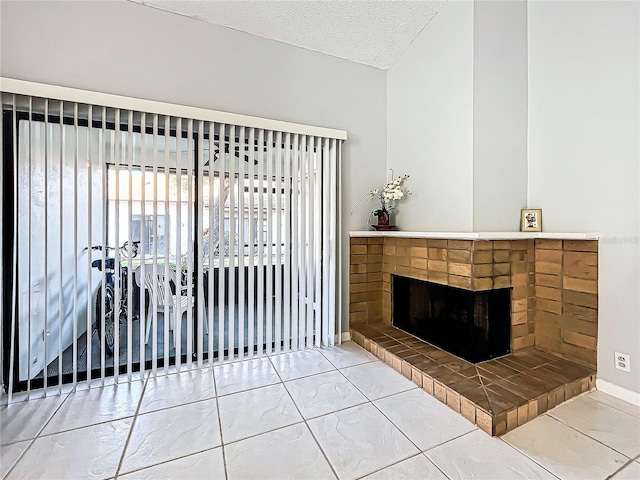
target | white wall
x=457, y=119
x=584, y=151
x=129, y=49
x=430, y=123
x=499, y=114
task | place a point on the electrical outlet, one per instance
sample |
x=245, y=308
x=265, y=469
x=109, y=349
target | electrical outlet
x=622, y=362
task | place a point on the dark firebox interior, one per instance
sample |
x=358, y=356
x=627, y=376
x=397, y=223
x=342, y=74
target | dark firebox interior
x=475, y=326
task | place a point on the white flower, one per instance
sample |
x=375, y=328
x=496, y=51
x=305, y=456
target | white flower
x=391, y=191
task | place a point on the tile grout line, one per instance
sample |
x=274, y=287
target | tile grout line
x=486, y=395
x=133, y=424
x=224, y=456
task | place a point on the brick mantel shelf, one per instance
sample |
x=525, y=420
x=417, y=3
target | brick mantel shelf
x=479, y=235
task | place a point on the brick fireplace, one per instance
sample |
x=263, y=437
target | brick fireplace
x=554, y=301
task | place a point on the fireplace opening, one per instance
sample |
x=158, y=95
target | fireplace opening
x=475, y=326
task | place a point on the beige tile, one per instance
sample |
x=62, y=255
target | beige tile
x=629, y=472
x=172, y=433
x=360, y=440
x=564, y=451
x=249, y=413
x=602, y=422
x=423, y=419
x=474, y=456
x=24, y=420
x=411, y=469
x=200, y=466
x=90, y=452
x=377, y=380
x=324, y=393
x=9, y=455
x=289, y=452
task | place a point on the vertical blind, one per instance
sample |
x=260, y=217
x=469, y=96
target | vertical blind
x=147, y=241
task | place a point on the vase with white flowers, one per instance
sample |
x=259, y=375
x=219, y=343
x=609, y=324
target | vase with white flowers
x=391, y=192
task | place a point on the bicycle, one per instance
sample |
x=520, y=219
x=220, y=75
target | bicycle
x=115, y=275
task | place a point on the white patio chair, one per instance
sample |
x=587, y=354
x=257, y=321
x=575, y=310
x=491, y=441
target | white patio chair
x=174, y=305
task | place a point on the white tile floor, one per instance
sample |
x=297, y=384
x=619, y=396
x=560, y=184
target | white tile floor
x=324, y=413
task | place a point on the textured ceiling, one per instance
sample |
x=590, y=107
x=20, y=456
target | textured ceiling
x=375, y=33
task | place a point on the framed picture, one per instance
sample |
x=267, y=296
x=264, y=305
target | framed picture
x=531, y=220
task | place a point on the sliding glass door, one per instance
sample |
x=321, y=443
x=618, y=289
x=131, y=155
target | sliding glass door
x=144, y=242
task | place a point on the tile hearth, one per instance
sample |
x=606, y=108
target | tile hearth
x=497, y=395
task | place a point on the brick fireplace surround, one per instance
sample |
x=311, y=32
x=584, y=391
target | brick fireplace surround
x=554, y=319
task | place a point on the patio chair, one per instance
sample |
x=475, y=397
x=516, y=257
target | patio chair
x=172, y=305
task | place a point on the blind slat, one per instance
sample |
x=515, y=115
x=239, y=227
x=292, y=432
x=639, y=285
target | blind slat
x=260, y=244
x=242, y=153
x=221, y=241
x=251, y=251
x=200, y=272
x=211, y=246
x=286, y=301
x=128, y=252
x=232, y=242
x=277, y=229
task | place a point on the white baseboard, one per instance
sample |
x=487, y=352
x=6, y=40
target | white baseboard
x=618, y=391
x=343, y=337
